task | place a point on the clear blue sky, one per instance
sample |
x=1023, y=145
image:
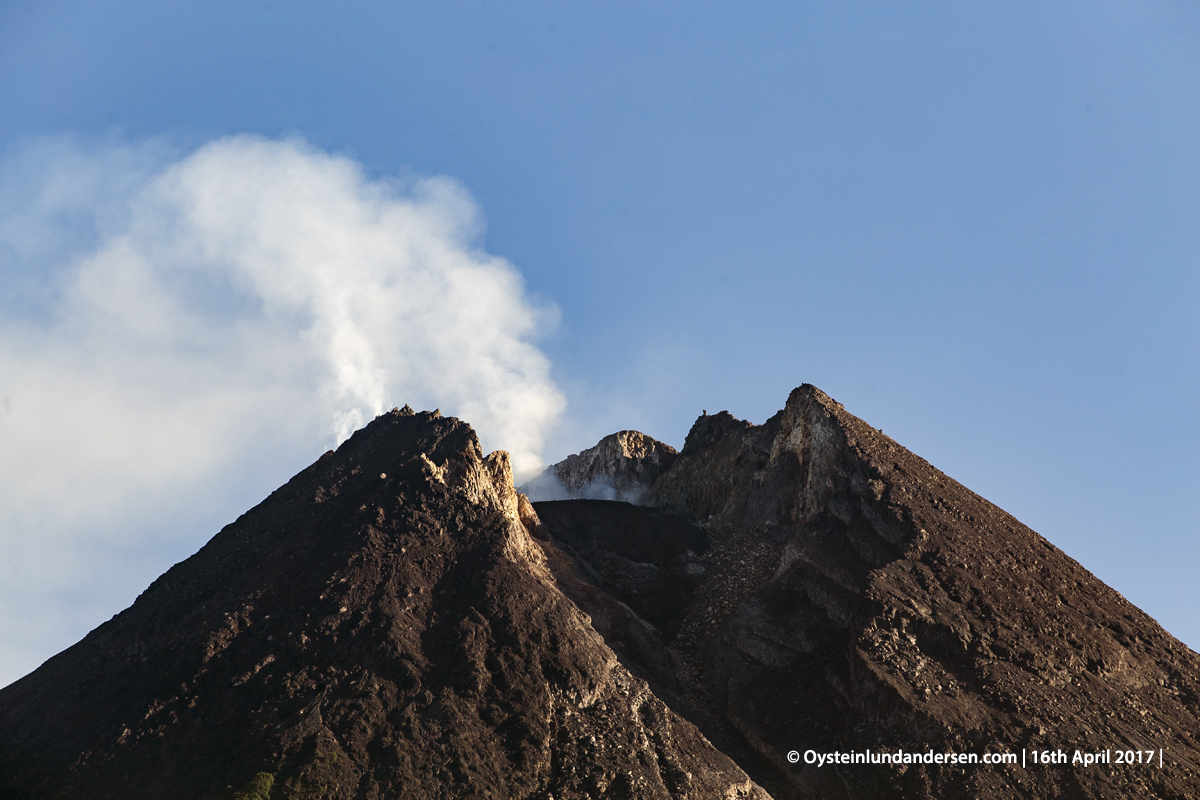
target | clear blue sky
x=976, y=225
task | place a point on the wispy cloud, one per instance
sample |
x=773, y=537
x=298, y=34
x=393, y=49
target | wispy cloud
x=184, y=319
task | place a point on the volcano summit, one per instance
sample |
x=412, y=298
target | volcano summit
x=788, y=602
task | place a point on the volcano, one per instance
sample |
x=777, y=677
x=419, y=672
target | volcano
x=798, y=609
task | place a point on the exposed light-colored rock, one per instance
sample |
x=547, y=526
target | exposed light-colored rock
x=622, y=466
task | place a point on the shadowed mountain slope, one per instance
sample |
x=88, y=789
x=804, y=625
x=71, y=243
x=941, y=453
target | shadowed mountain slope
x=857, y=598
x=381, y=626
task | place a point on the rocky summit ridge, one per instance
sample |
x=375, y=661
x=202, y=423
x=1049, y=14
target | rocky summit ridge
x=399, y=621
x=381, y=626
x=621, y=466
x=859, y=599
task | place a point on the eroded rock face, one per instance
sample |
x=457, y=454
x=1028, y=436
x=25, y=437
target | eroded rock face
x=384, y=625
x=856, y=598
x=622, y=466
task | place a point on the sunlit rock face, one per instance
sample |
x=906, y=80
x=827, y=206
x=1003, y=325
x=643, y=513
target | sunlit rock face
x=622, y=466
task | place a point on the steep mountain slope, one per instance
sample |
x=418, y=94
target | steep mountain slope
x=381, y=626
x=856, y=598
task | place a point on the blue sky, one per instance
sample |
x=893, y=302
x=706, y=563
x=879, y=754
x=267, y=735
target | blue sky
x=976, y=225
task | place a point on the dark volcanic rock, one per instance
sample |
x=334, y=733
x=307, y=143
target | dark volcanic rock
x=381, y=626
x=397, y=621
x=648, y=559
x=636, y=571
x=622, y=466
x=855, y=598
x=633, y=570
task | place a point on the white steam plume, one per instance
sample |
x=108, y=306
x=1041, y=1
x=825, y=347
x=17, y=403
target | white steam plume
x=213, y=320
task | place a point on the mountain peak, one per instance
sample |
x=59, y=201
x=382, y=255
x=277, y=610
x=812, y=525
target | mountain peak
x=621, y=466
x=399, y=621
x=383, y=625
x=915, y=614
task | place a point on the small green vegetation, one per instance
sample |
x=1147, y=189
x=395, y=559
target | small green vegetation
x=257, y=788
x=330, y=759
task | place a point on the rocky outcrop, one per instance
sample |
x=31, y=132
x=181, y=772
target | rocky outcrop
x=384, y=625
x=622, y=466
